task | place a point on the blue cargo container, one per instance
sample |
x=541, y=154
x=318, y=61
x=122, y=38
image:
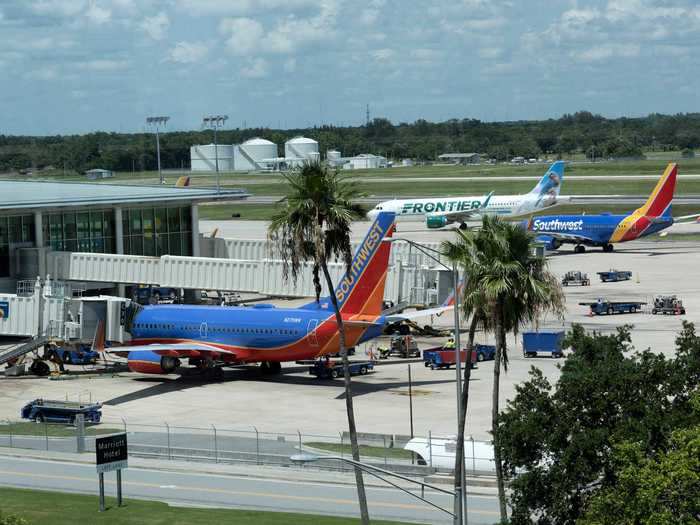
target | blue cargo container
x=547, y=341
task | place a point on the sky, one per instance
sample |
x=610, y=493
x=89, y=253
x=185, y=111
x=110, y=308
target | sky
x=75, y=66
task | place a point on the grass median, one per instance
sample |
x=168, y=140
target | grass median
x=56, y=508
x=365, y=450
x=50, y=429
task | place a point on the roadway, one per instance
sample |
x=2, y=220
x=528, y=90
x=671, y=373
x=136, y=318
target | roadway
x=284, y=494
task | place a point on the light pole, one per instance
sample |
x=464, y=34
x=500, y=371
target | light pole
x=461, y=490
x=380, y=473
x=215, y=122
x=156, y=122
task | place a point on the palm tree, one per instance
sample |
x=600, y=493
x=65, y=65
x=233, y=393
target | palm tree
x=313, y=224
x=506, y=287
x=464, y=251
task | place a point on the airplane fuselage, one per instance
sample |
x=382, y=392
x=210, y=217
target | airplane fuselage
x=477, y=207
x=600, y=230
x=250, y=334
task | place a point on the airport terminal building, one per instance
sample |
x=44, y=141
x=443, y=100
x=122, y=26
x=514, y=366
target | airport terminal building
x=38, y=219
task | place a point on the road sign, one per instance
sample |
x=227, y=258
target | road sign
x=111, y=453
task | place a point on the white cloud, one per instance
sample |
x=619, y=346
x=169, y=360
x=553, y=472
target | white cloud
x=44, y=73
x=246, y=35
x=490, y=52
x=605, y=51
x=98, y=15
x=369, y=16
x=240, y=7
x=290, y=65
x=383, y=55
x=64, y=8
x=256, y=68
x=102, y=64
x=188, y=52
x=156, y=26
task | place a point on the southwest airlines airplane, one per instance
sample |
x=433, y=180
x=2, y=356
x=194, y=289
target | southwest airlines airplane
x=209, y=337
x=606, y=229
x=440, y=211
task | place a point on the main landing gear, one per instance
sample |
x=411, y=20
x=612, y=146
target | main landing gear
x=270, y=368
x=579, y=248
x=607, y=248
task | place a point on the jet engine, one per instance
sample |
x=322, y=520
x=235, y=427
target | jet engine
x=152, y=363
x=435, y=221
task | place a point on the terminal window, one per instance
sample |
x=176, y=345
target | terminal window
x=15, y=232
x=85, y=231
x=156, y=231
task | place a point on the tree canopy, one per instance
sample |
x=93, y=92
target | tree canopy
x=422, y=140
x=570, y=448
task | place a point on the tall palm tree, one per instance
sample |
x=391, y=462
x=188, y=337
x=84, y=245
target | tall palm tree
x=313, y=224
x=509, y=287
x=464, y=251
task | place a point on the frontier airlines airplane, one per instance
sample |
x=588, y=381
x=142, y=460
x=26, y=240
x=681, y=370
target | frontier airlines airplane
x=441, y=211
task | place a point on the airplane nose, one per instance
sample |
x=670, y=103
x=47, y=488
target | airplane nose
x=372, y=214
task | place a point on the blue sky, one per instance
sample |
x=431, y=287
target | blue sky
x=72, y=66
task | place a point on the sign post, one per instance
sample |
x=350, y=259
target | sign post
x=111, y=454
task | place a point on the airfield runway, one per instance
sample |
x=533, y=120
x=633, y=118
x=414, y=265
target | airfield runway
x=295, y=401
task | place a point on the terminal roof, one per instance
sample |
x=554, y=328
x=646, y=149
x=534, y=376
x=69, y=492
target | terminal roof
x=35, y=194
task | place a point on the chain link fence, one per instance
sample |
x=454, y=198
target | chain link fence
x=423, y=455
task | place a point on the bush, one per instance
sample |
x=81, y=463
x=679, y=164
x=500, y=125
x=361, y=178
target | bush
x=12, y=519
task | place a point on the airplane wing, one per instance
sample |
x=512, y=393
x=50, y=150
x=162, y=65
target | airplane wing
x=191, y=349
x=686, y=217
x=418, y=314
x=571, y=237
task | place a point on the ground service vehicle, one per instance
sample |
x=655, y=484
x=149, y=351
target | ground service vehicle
x=575, y=277
x=77, y=355
x=51, y=411
x=546, y=341
x=603, y=306
x=614, y=276
x=485, y=352
x=326, y=369
x=668, y=305
x=155, y=295
x=441, y=358
x=404, y=346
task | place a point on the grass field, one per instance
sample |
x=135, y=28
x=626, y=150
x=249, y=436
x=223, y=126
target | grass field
x=54, y=508
x=365, y=450
x=52, y=430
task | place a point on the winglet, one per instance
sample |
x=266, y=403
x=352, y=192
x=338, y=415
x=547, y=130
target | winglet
x=98, y=342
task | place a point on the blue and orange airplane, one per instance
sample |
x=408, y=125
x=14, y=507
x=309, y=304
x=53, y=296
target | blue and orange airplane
x=606, y=229
x=209, y=337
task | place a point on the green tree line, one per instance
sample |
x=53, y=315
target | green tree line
x=581, y=132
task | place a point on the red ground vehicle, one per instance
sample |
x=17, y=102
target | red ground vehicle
x=441, y=358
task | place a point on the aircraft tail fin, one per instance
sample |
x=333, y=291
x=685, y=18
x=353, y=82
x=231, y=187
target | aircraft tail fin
x=659, y=202
x=550, y=184
x=182, y=182
x=450, y=299
x=361, y=290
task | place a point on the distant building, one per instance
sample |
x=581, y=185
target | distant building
x=99, y=174
x=460, y=158
x=365, y=161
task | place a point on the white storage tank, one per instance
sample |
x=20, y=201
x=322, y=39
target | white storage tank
x=250, y=155
x=334, y=158
x=203, y=157
x=302, y=148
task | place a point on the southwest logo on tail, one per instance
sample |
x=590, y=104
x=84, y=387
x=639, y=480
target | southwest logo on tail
x=604, y=230
x=164, y=337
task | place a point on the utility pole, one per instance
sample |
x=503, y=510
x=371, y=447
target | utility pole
x=156, y=122
x=215, y=122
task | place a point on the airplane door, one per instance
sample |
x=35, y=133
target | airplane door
x=311, y=330
x=203, y=329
